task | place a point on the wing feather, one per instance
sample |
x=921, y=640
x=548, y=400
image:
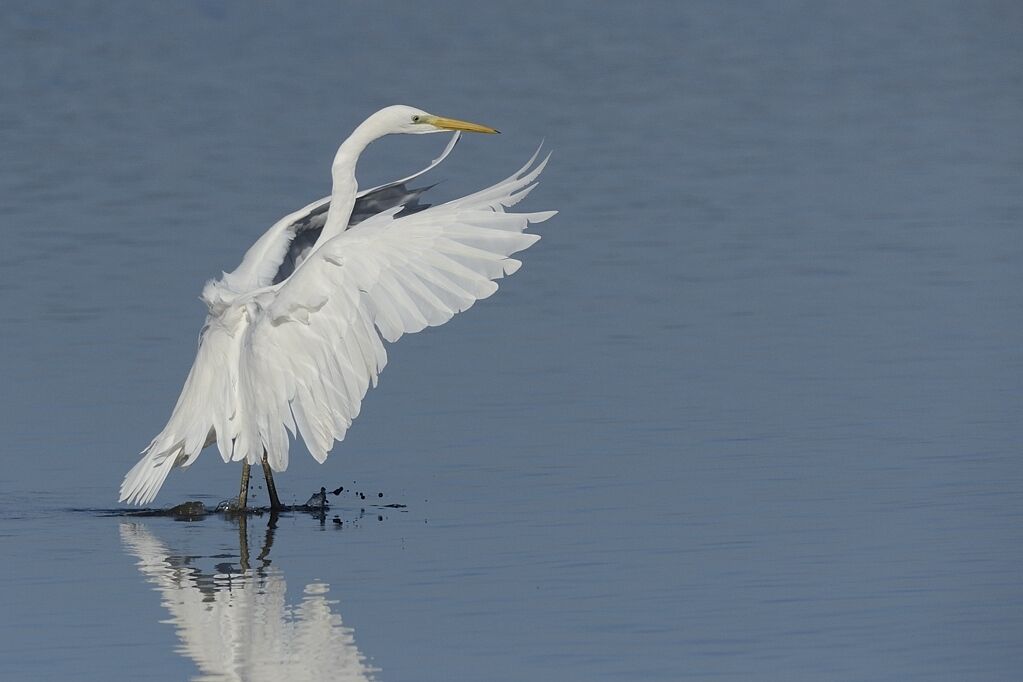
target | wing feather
x=317, y=346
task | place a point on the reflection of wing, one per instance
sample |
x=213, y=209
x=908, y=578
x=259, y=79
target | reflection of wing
x=239, y=626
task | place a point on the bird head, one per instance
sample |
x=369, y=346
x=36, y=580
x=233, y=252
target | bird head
x=403, y=119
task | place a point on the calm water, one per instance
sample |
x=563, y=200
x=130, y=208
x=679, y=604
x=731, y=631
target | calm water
x=749, y=412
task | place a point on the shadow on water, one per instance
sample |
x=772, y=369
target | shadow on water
x=233, y=618
x=318, y=507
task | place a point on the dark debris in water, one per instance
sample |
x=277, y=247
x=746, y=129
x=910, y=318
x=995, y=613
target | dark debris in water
x=194, y=510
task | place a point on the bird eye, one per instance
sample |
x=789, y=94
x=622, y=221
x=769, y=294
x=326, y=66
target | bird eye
x=415, y=119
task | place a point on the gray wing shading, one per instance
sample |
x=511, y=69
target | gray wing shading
x=308, y=227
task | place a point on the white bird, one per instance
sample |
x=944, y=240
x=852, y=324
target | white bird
x=292, y=340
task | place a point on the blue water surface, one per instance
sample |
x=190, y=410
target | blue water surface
x=750, y=410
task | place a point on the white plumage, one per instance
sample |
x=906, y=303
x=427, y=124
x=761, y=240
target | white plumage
x=296, y=357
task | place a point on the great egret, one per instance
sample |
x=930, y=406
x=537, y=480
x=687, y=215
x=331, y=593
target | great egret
x=292, y=340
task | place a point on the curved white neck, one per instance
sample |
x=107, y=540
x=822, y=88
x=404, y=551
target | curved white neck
x=345, y=187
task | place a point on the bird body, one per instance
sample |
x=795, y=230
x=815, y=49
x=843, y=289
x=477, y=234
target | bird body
x=294, y=335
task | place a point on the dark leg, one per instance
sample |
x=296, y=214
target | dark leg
x=243, y=493
x=275, y=502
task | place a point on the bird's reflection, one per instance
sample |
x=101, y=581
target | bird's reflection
x=235, y=621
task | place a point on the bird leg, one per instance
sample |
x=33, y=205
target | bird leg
x=243, y=493
x=275, y=502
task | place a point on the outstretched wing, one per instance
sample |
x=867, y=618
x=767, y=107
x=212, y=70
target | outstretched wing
x=316, y=347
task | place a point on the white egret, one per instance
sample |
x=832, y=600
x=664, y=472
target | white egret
x=292, y=340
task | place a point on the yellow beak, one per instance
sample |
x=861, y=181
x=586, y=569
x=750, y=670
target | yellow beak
x=455, y=124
